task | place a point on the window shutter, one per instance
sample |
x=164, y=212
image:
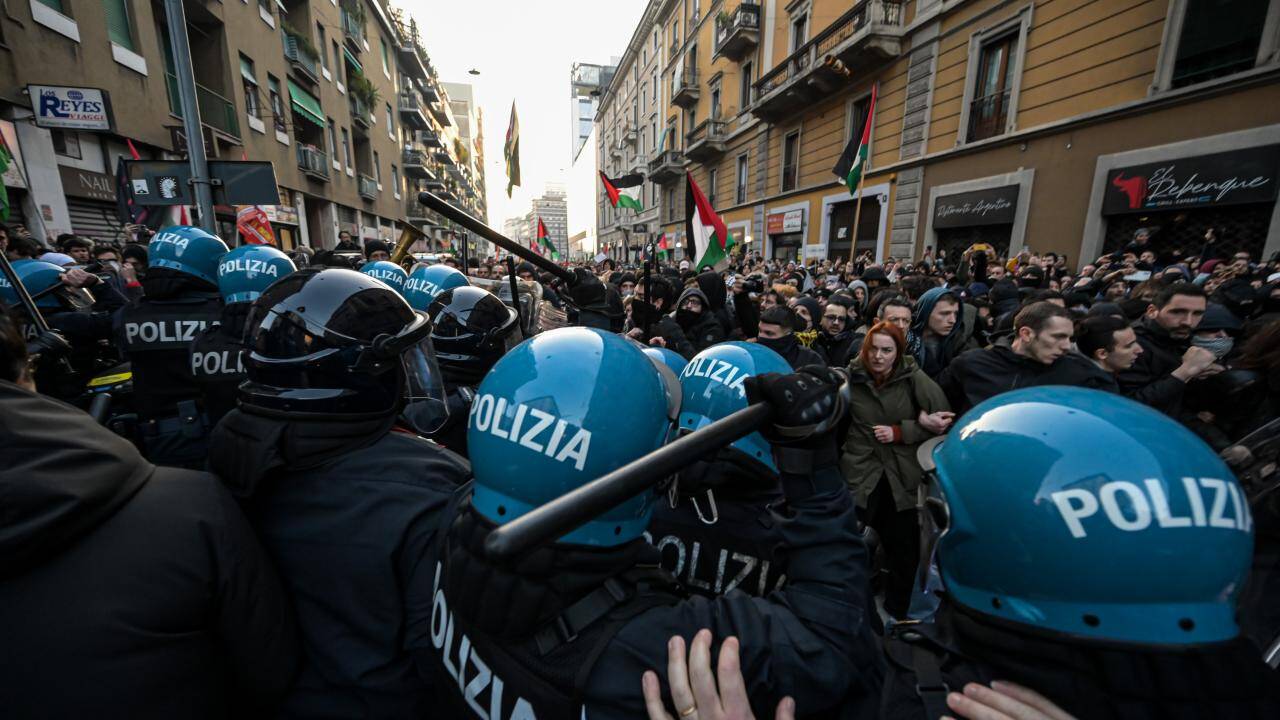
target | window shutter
x=117, y=13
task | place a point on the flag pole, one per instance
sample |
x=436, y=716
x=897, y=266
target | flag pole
x=857, y=214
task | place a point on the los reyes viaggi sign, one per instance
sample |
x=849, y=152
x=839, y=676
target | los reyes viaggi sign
x=1230, y=178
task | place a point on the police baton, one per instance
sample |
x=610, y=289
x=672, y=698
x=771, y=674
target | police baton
x=436, y=203
x=547, y=523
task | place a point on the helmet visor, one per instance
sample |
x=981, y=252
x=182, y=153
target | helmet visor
x=425, y=409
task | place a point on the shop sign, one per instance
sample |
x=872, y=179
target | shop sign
x=70, y=108
x=1229, y=178
x=787, y=222
x=285, y=213
x=87, y=184
x=993, y=206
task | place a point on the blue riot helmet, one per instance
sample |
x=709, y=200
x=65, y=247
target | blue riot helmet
x=187, y=250
x=388, y=272
x=43, y=282
x=426, y=282
x=1084, y=514
x=712, y=388
x=471, y=330
x=246, y=271
x=557, y=411
x=670, y=358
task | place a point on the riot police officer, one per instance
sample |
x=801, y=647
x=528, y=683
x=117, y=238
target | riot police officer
x=566, y=630
x=471, y=329
x=325, y=450
x=388, y=272
x=216, y=362
x=66, y=309
x=427, y=281
x=715, y=527
x=155, y=334
x=1109, y=587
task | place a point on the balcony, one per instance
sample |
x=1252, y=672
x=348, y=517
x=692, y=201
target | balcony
x=988, y=116
x=443, y=157
x=429, y=93
x=410, y=60
x=415, y=163
x=430, y=138
x=352, y=19
x=666, y=166
x=361, y=114
x=367, y=187
x=706, y=141
x=216, y=111
x=313, y=163
x=440, y=112
x=301, y=59
x=684, y=88
x=738, y=33
x=415, y=211
x=629, y=136
x=867, y=35
x=411, y=109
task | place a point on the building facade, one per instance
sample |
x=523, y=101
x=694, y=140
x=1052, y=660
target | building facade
x=1061, y=126
x=552, y=208
x=339, y=96
x=586, y=82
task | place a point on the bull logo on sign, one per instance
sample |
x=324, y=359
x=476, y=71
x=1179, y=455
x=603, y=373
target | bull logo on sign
x=1135, y=188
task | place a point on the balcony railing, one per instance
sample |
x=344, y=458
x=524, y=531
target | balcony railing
x=301, y=59
x=988, y=116
x=414, y=209
x=666, y=166
x=360, y=111
x=684, y=87
x=367, y=187
x=868, y=33
x=313, y=162
x=705, y=141
x=216, y=111
x=411, y=109
x=353, y=28
x=430, y=138
x=415, y=163
x=429, y=93
x=739, y=32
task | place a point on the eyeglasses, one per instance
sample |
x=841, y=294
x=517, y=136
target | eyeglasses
x=834, y=318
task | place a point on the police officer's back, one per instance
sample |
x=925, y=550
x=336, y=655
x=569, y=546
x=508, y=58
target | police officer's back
x=155, y=334
x=325, y=452
x=216, y=362
x=569, y=627
x=1108, y=586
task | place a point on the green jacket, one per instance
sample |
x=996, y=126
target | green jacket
x=864, y=459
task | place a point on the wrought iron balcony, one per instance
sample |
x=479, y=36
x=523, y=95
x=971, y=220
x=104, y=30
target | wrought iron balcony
x=706, y=141
x=414, y=210
x=429, y=92
x=367, y=187
x=415, y=163
x=684, y=87
x=353, y=26
x=430, y=138
x=442, y=156
x=361, y=114
x=862, y=38
x=440, y=112
x=738, y=33
x=666, y=166
x=411, y=110
x=313, y=162
x=301, y=60
x=216, y=111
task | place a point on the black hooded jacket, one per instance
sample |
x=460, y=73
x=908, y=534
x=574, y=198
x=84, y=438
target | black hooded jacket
x=1150, y=379
x=701, y=329
x=128, y=590
x=346, y=509
x=977, y=375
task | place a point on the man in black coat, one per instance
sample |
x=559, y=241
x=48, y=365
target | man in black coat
x=650, y=321
x=1039, y=353
x=777, y=332
x=129, y=590
x=838, y=338
x=1168, y=361
x=698, y=321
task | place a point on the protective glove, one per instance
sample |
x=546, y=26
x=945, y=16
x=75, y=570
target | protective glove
x=586, y=290
x=49, y=344
x=643, y=314
x=808, y=405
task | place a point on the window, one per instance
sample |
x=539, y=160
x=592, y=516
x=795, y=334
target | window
x=856, y=117
x=377, y=167
x=66, y=143
x=799, y=31
x=250, y=82
x=391, y=128
x=346, y=148
x=989, y=109
x=277, y=103
x=324, y=57
x=740, y=182
x=744, y=87
x=790, y=160
x=656, y=98
x=395, y=180
x=333, y=141
x=715, y=102
x=386, y=66
x=117, y=12
x=711, y=186
x=1217, y=38
x=669, y=200
x=337, y=62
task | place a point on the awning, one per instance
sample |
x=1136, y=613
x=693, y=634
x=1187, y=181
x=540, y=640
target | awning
x=306, y=104
x=353, y=60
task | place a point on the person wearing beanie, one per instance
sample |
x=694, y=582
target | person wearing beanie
x=777, y=332
x=375, y=250
x=696, y=319
x=807, y=313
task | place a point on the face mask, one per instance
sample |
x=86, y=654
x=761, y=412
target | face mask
x=782, y=345
x=687, y=318
x=1218, y=346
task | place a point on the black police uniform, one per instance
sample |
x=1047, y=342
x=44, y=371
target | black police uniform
x=216, y=362
x=569, y=630
x=722, y=540
x=155, y=335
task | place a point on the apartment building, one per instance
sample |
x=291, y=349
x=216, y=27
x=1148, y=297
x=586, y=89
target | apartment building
x=339, y=95
x=1061, y=125
x=552, y=208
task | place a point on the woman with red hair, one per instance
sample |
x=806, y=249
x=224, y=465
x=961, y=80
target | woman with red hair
x=895, y=408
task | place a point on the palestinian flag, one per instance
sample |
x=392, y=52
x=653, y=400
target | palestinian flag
x=706, y=231
x=624, y=191
x=854, y=158
x=663, y=250
x=511, y=151
x=544, y=242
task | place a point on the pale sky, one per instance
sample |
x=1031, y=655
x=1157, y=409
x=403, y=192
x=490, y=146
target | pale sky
x=524, y=51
